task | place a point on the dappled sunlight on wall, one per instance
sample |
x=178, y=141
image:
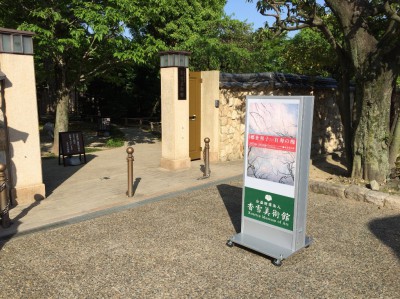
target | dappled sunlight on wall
x=327, y=134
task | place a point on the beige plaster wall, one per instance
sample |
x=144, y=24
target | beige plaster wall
x=23, y=126
x=209, y=113
x=174, y=122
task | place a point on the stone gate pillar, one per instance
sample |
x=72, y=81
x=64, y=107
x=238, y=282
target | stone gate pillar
x=175, y=110
x=19, y=117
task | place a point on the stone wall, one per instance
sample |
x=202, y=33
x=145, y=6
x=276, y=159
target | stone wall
x=232, y=106
x=327, y=135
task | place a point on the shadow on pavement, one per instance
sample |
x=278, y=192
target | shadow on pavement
x=54, y=175
x=136, y=135
x=232, y=198
x=136, y=185
x=329, y=167
x=15, y=222
x=332, y=164
x=388, y=231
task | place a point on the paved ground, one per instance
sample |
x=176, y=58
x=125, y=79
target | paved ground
x=168, y=241
x=76, y=191
x=175, y=248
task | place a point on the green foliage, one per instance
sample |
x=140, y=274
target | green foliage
x=268, y=52
x=79, y=37
x=75, y=40
x=232, y=46
x=308, y=53
x=224, y=46
x=172, y=24
x=109, y=49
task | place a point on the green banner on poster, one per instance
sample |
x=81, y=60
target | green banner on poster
x=268, y=207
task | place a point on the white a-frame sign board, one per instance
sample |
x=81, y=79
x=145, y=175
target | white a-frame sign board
x=276, y=165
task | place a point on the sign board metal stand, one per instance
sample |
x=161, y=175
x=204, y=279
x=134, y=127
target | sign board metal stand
x=276, y=166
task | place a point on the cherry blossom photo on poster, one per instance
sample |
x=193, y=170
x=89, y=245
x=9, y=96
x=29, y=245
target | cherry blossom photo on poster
x=272, y=136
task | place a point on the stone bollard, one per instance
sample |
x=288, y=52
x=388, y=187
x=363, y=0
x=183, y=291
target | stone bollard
x=130, y=160
x=206, y=158
x=4, y=202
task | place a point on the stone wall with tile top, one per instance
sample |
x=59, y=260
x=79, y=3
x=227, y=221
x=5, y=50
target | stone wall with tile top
x=327, y=134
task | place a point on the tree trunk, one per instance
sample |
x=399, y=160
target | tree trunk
x=395, y=144
x=371, y=138
x=394, y=149
x=62, y=117
x=345, y=109
x=61, y=123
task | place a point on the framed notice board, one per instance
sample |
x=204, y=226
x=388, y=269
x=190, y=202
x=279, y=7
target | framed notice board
x=71, y=143
x=276, y=167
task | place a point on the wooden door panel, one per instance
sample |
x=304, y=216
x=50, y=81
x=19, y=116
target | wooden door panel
x=194, y=115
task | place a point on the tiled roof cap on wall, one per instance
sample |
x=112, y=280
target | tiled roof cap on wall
x=277, y=80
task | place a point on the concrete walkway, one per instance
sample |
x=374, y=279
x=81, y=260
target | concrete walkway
x=101, y=184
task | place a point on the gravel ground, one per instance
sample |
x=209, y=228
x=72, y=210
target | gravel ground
x=176, y=249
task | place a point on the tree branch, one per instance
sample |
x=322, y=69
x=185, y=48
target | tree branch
x=390, y=12
x=83, y=77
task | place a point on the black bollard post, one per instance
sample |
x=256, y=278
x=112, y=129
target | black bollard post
x=4, y=202
x=130, y=160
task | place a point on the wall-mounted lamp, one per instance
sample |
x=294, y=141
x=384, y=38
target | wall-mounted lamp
x=174, y=58
x=16, y=41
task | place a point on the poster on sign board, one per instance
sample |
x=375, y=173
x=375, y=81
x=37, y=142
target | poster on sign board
x=276, y=162
x=271, y=161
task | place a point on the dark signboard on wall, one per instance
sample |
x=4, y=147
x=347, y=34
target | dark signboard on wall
x=181, y=83
x=71, y=143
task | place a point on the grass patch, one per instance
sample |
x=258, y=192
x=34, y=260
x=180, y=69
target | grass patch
x=115, y=142
x=117, y=137
x=92, y=149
